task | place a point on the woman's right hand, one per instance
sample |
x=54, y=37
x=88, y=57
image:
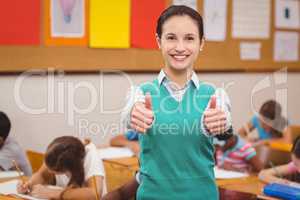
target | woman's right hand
x=24, y=188
x=142, y=115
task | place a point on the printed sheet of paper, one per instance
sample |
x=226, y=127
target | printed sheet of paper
x=251, y=19
x=250, y=50
x=67, y=18
x=115, y=152
x=215, y=15
x=190, y=3
x=9, y=174
x=287, y=14
x=286, y=46
x=226, y=174
x=10, y=187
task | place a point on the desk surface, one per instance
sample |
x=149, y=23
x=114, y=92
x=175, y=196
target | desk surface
x=251, y=184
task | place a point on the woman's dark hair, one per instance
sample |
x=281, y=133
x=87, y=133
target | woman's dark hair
x=5, y=125
x=270, y=110
x=181, y=11
x=67, y=154
x=296, y=147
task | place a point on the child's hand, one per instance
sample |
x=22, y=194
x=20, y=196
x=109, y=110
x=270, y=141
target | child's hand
x=142, y=115
x=214, y=118
x=23, y=188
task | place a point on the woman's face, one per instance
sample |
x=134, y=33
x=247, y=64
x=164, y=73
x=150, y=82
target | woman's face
x=180, y=43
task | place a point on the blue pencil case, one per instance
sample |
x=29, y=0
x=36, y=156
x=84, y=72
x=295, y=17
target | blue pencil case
x=282, y=191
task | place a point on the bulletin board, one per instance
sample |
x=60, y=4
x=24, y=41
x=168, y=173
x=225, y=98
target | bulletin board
x=216, y=56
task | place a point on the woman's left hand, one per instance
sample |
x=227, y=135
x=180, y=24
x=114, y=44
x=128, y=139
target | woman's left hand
x=214, y=118
x=45, y=192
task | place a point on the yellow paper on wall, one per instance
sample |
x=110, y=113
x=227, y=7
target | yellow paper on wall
x=109, y=24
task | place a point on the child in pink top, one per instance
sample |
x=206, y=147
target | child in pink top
x=234, y=153
x=278, y=173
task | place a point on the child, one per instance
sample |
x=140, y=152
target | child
x=236, y=154
x=277, y=174
x=75, y=168
x=129, y=139
x=10, y=150
x=269, y=124
x=125, y=192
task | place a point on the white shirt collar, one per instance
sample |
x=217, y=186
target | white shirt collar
x=162, y=76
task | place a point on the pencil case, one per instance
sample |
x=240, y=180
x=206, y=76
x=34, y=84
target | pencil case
x=282, y=191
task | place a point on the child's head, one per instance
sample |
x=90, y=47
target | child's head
x=225, y=143
x=179, y=10
x=66, y=155
x=296, y=153
x=271, y=119
x=4, y=127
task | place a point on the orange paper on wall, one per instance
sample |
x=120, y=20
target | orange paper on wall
x=66, y=22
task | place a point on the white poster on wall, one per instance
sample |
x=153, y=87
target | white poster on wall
x=250, y=50
x=287, y=14
x=286, y=46
x=251, y=19
x=190, y=3
x=215, y=15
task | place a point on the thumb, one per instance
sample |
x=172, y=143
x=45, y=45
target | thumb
x=148, y=101
x=213, y=102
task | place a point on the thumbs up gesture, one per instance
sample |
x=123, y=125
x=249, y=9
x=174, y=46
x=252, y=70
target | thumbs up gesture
x=142, y=115
x=214, y=118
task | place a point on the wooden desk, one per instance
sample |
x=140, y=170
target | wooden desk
x=120, y=171
x=250, y=185
x=281, y=145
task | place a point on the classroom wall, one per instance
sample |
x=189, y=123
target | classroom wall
x=42, y=107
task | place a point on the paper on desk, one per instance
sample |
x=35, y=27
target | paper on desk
x=9, y=174
x=227, y=174
x=115, y=152
x=10, y=187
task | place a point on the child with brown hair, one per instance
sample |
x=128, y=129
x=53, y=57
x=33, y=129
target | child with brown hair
x=75, y=168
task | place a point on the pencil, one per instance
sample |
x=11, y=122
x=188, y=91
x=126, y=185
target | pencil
x=95, y=187
x=20, y=174
x=19, y=171
x=275, y=170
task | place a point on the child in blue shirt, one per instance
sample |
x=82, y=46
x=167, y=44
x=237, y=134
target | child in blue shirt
x=129, y=139
x=269, y=123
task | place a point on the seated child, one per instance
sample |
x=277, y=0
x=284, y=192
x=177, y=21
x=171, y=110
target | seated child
x=75, y=168
x=10, y=150
x=277, y=174
x=269, y=123
x=125, y=192
x=129, y=139
x=234, y=153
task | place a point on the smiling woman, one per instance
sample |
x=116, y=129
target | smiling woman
x=177, y=161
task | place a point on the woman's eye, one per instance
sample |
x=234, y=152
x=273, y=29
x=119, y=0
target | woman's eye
x=190, y=38
x=171, y=38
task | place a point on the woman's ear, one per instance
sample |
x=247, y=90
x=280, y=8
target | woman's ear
x=202, y=42
x=158, y=41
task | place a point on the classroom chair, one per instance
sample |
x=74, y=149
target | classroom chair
x=36, y=159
